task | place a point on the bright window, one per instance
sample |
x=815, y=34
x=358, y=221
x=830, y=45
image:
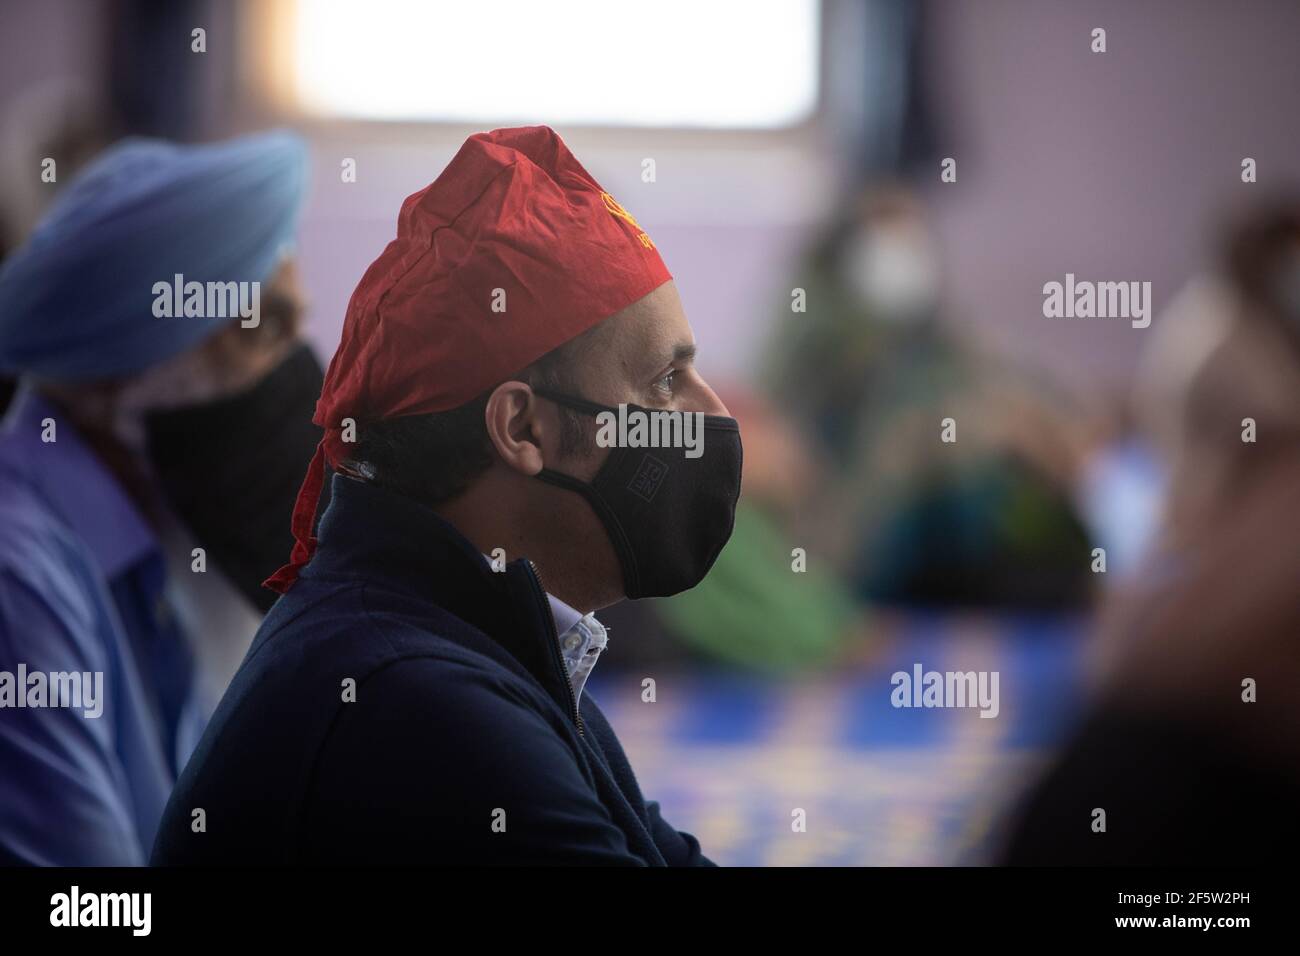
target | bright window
x=693, y=63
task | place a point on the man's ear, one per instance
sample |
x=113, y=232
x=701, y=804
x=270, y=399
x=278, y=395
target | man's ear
x=523, y=429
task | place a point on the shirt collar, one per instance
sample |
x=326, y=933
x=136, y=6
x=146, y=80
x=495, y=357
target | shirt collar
x=582, y=639
x=76, y=485
x=565, y=616
x=581, y=636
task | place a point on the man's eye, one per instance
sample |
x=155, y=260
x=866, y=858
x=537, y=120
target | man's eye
x=665, y=384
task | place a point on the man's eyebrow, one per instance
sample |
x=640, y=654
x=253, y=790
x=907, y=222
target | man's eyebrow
x=681, y=353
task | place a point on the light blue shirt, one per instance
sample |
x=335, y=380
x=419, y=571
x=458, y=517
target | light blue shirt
x=81, y=590
x=582, y=638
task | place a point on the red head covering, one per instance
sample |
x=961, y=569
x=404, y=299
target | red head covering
x=512, y=251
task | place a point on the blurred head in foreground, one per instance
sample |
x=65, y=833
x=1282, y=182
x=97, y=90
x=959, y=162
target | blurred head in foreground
x=1192, y=749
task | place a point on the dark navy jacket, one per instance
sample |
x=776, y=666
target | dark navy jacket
x=463, y=718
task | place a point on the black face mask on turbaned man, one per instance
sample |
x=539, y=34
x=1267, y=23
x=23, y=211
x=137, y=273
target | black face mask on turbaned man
x=667, y=515
x=231, y=469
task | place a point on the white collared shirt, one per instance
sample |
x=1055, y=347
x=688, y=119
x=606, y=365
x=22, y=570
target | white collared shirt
x=582, y=638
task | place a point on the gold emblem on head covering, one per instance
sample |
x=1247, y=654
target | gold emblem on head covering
x=613, y=206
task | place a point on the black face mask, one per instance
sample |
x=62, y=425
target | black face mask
x=666, y=515
x=231, y=469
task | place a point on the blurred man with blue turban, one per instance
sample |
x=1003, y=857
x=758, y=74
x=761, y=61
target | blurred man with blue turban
x=148, y=468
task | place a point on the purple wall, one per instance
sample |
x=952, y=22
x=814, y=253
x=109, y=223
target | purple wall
x=1111, y=166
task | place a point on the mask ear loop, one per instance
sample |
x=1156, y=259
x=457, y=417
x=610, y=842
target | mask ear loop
x=573, y=401
x=618, y=537
x=719, y=422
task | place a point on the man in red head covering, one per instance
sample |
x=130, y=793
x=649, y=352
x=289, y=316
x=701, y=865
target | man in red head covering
x=518, y=437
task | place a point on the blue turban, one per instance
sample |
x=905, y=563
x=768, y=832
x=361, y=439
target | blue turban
x=77, y=300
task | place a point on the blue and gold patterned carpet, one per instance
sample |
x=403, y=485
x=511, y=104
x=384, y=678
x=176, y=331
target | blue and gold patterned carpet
x=730, y=758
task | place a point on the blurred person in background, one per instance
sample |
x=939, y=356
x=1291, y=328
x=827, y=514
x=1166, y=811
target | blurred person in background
x=1192, y=747
x=138, y=435
x=868, y=374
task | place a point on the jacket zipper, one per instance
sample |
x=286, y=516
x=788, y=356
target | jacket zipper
x=555, y=645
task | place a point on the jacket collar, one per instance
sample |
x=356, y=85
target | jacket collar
x=378, y=536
